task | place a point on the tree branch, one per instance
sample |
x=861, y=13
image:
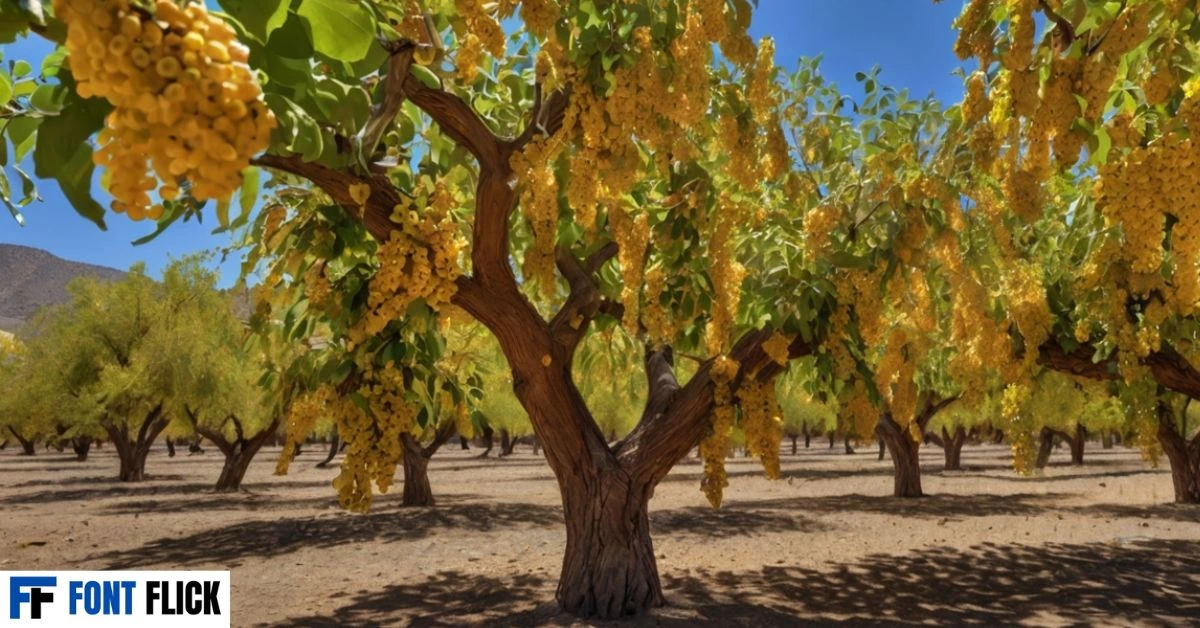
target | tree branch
x=1169, y=368
x=571, y=321
x=440, y=436
x=1063, y=24
x=459, y=121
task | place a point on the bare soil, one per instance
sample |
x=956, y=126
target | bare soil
x=1091, y=545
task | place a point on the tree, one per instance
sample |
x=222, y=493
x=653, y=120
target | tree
x=1118, y=81
x=23, y=414
x=802, y=414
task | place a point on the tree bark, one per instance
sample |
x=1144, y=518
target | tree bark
x=846, y=444
x=882, y=449
x=81, y=446
x=952, y=444
x=1182, y=454
x=334, y=444
x=28, y=447
x=905, y=461
x=238, y=452
x=462, y=443
x=133, y=452
x=1076, y=443
x=1106, y=439
x=506, y=443
x=170, y=448
x=609, y=568
x=489, y=441
x=417, y=491
x=832, y=439
x=1045, y=448
x=807, y=437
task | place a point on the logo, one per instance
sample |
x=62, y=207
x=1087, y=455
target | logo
x=35, y=597
x=124, y=599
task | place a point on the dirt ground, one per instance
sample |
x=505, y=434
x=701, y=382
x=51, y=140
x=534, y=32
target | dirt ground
x=1091, y=545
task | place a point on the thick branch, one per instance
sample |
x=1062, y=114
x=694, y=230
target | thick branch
x=440, y=436
x=459, y=121
x=571, y=322
x=1063, y=24
x=546, y=117
x=1169, y=368
x=661, y=440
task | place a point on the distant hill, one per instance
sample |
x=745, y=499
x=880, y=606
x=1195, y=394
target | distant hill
x=32, y=278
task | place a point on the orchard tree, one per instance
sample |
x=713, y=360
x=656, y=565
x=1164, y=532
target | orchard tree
x=23, y=415
x=804, y=413
x=1086, y=129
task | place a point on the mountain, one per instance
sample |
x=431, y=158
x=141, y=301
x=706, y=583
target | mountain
x=32, y=278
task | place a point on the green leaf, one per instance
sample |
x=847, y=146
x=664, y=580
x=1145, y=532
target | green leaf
x=172, y=213
x=341, y=29
x=6, y=86
x=259, y=17
x=75, y=179
x=48, y=98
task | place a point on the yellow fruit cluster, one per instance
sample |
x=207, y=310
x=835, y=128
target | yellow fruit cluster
x=654, y=316
x=861, y=414
x=373, y=445
x=186, y=106
x=776, y=348
x=418, y=261
x=302, y=415
x=539, y=204
x=727, y=275
x=632, y=235
x=714, y=448
x=761, y=422
x=819, y=223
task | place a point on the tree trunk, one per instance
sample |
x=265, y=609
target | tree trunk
x=807, y=437
x=81, y=446
x=846, y=444
x=795, y=443
x=489, y=441
x=537, y=446
x=1045, y=448
x=170, y=448
x=905, y=461
x=506, y=443
x=462, y=443
x=999, y=437
x=1183, y=456
x=952, y=444
x=832, y=439
x=334, y=444
x=609, y=569
x=1106, y=439
x=27, y=446
x=417, y=491
x=133, y=452
x=882, y=449
x=1076, y=444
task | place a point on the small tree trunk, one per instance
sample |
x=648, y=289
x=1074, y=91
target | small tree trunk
x=882, y=449
x=462, y=443
x=832, y=438
x=506, y=443
x=194, y=448
x=807, y=437
x=999, y=437
x=952, y=445
x=846, y=444
x=1076, y=444
x=537, y=446
x=133, y=451
x=795, y=440
x=905, y=460
x=27, y=446
x=1183, y=455
x=81, y=446
x=334, y=444
x=1106, y=439
x=609, y=569
x=489, y=441
x=170, y=448
x=417, y=491
x=1045, y=448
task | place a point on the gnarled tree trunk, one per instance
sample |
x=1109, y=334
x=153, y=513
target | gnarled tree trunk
x=952, y=444
x=238, y=452
x=489, y=441
x=132, y=453
x=28, y=447
x=905, y=451
x=170, y=448
x=81, y=446
x=417, y=491
x=1182, y=454
x=507, y=443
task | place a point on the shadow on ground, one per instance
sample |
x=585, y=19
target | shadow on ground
x=1148, y=581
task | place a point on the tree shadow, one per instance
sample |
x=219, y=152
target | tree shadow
x=929, y=507
x=737, y=519
x=231, y=545
x=1150, y=581
x=93, y=479
x=1187, y=513
x=987, y=585
x=148, y=487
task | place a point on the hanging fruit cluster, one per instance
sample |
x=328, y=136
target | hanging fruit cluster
x=187, y=109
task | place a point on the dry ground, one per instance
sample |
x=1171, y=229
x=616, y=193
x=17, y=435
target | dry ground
x=1087, y=545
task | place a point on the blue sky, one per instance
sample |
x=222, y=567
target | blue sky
x=911, y=40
